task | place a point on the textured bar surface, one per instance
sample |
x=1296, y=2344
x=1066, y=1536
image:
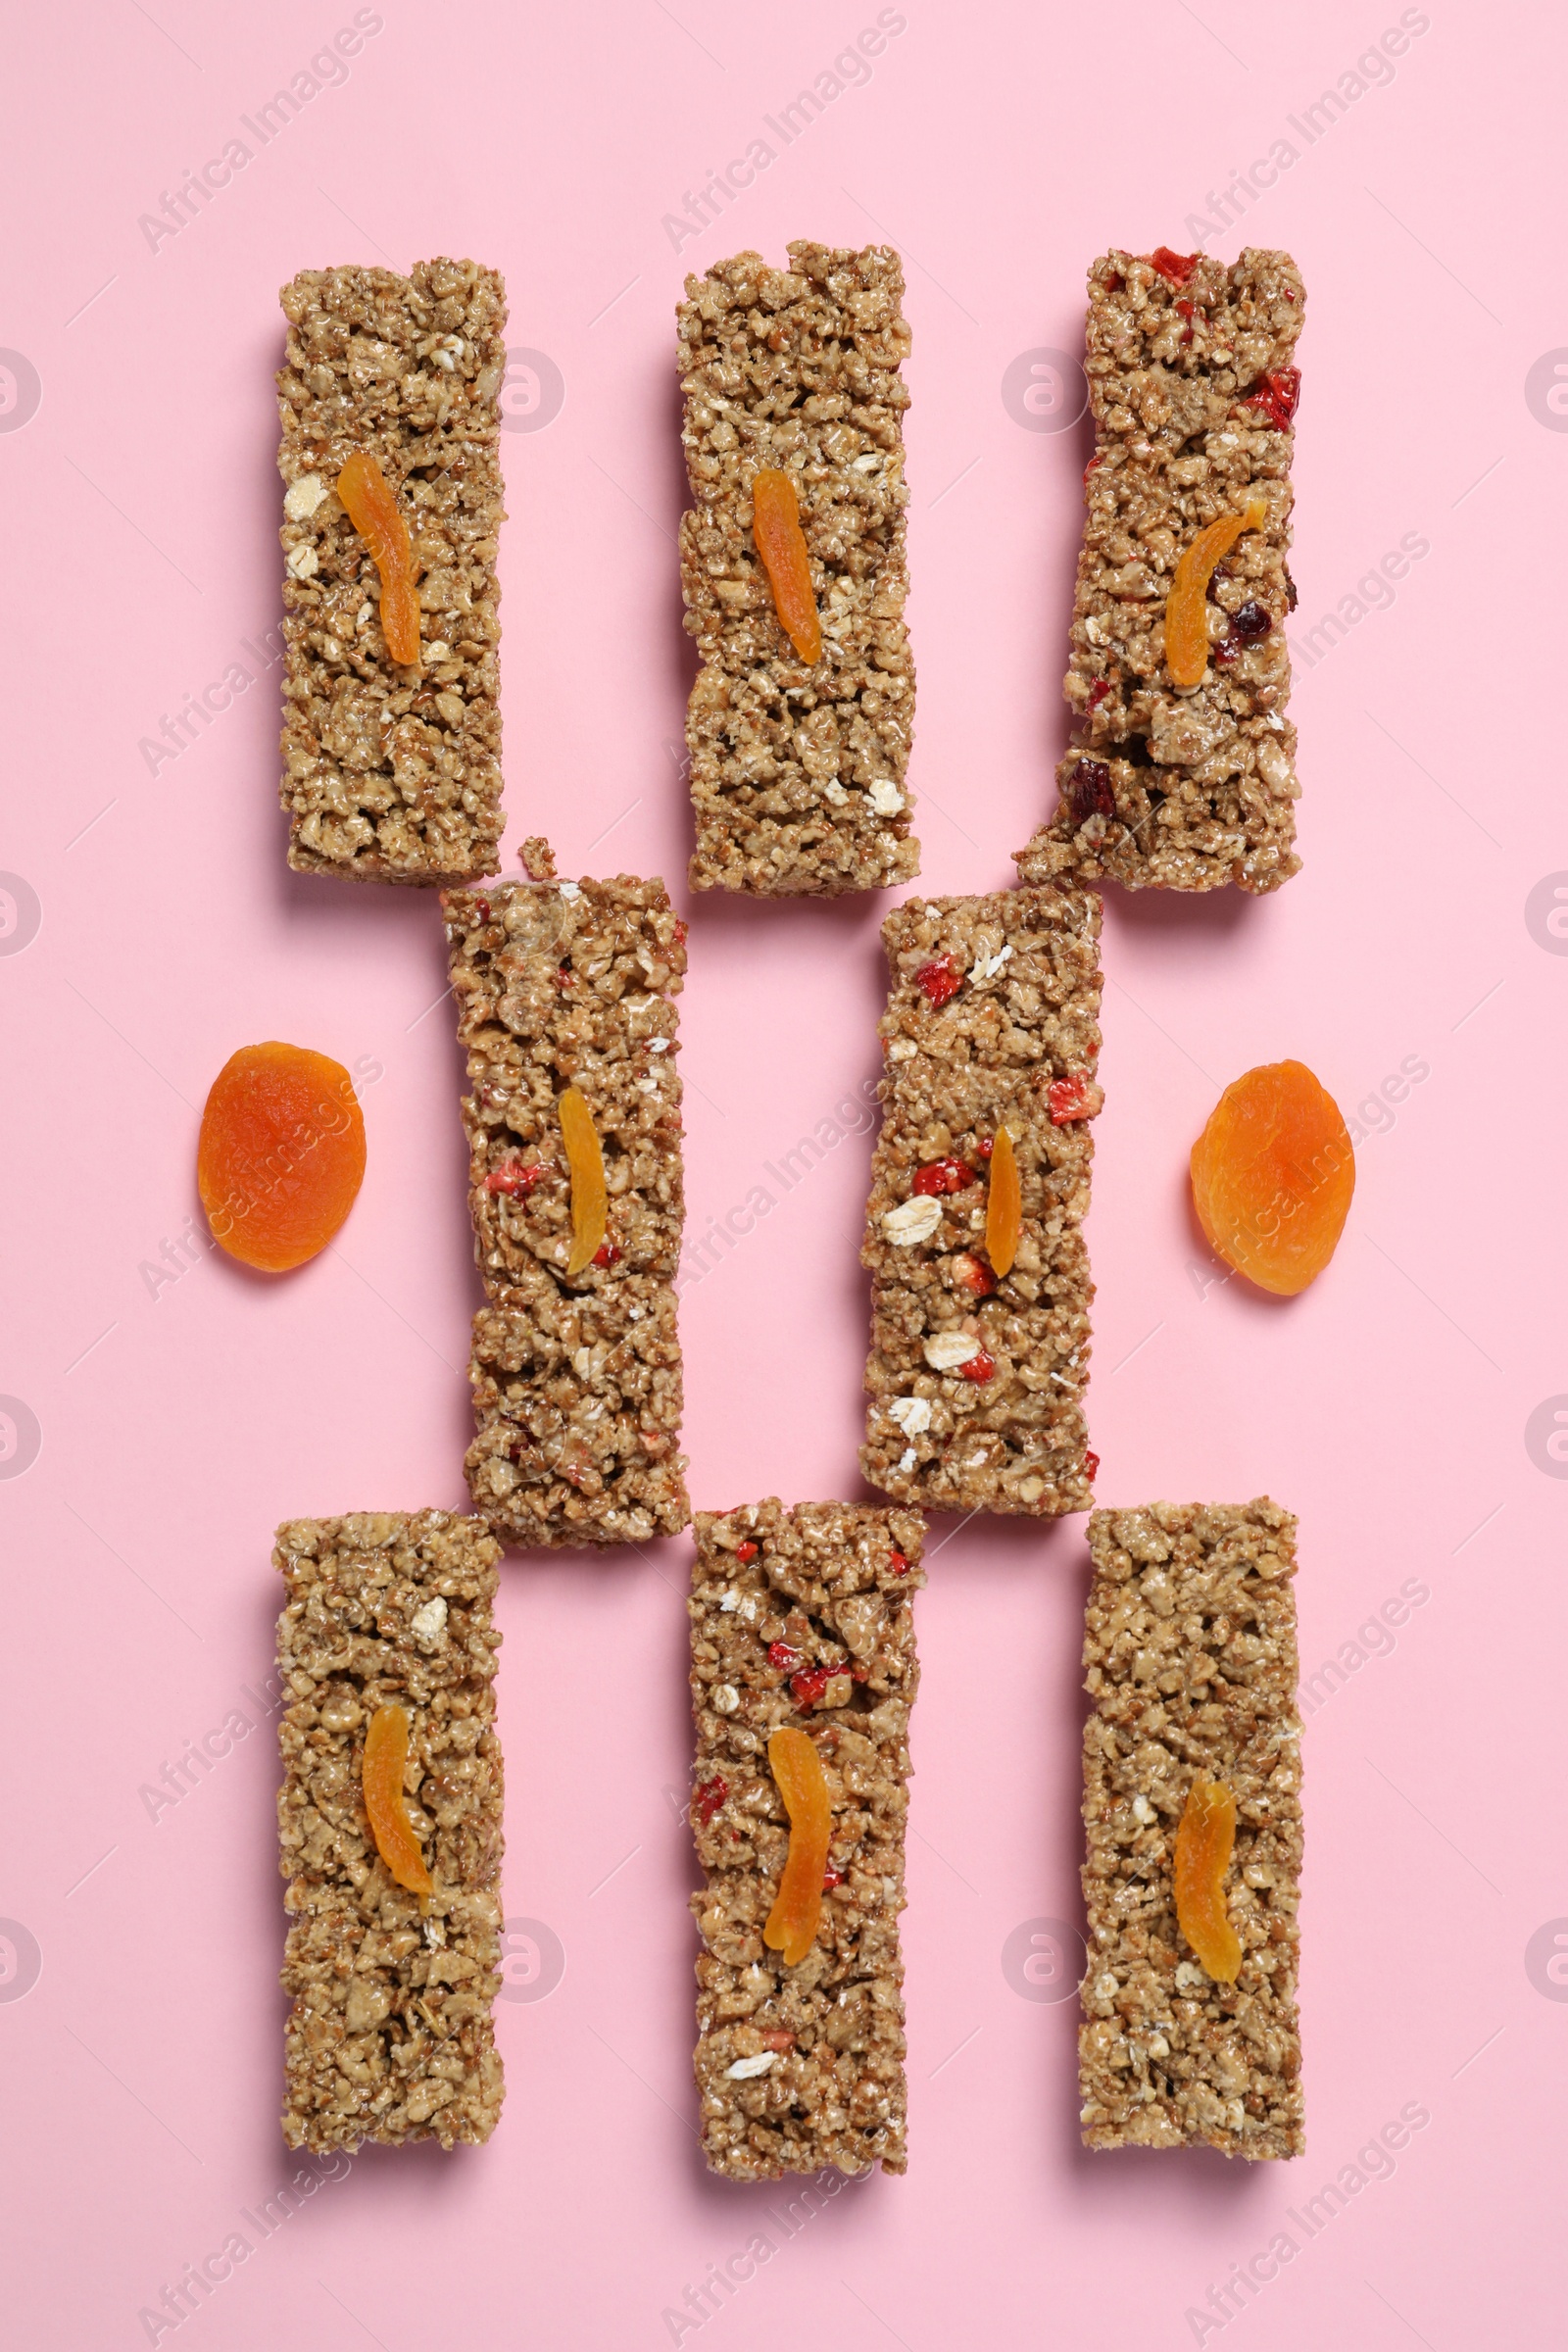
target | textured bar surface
x=392, y=774
x=1204, y=781
x=1190, y=1641
x=577, y=1387
x=797, y=774
x=390, y=2037
x=1017, y=1040
x=798, y=2068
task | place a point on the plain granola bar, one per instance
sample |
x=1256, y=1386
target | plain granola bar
x=976, y=1387
x=1190, y=1641
x=390, y=2037
x=803, y=1619
x=577, y=1387
x=797, y=774
x=392, y=774
x=1191, y=387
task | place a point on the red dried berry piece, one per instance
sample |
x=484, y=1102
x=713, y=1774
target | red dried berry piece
x=1177, y=268
x=1098, y=693
x=784, y=1656
x=1090, y=467
x=983, y=1150
x=1253, y=622
x=1224, y=653
x=1186, y=310
x=513, y=1180
x=941, y=1176
x=746, y=1551
x=1277, y=394
x=1091, y=1465
x=939, y=980
x=1067, y=1099
x=808, y=1686
x=706, y=1798
x=980, y=1368
x=1114, y=283
x=1089, y=791
x=683, y=930
x=898, y=1563
x=485, y=915
x=605, y=1254
x=973, y=1275
x=831, y=1878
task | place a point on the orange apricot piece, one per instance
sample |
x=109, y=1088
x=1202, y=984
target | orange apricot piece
x=586, y=1162
x=386, y=1753
x=378, y=517
x=796, y=1911
x=281, y=1155
x=781, y=543
x=1004, y=1206
x=1206, y=1839
x=1273, y=1173
x=1187, y=605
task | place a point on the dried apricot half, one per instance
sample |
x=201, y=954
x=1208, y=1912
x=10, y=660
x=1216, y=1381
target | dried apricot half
x=796, y=1911
x=781, y=543
x=281, y=1155
x=1205, y=1839
x=1273, y=1173
x=381, y=1771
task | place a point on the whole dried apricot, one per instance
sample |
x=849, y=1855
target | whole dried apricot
x=781, y=543
x=796, y=1911
x=281, y=1155
x=1206, y=1839
x=1273, y=1173
x=381, y=1775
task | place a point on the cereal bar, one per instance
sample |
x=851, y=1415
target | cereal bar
x=801, y=1620
x=1189, y=1642
x=576, y=1382
x=1194, y=391
x=390, y=2037
x=797, y=771
x=976, y=1385
x=392, y=773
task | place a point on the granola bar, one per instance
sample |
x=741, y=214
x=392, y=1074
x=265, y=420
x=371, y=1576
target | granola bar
x=390, y=2037
x=802, y=1619
x=392, y=774
x=976, y=1386
x=1189, y=1642
x=1192, y=390
x=798, y=773
x=577, y=1386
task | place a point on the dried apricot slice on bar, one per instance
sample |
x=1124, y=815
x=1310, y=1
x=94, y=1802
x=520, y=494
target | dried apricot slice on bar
x=1273, y=1173
x=386, y=1753
x=1205, y=1839
x=585, y=1160
x=1003, y=1206
x=281, y=1155
x=781, y=543
x=378, y=517
x=796, y=1911
x=1186, y=605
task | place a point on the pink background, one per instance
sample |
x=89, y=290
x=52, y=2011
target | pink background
x=1001, y=149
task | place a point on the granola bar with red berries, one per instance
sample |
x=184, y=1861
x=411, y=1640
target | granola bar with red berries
x=801, y=1623
x=977, y=1370
x=571, y=987
x=1182, y=783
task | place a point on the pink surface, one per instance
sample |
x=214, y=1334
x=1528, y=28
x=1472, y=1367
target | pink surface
x=181, y=1418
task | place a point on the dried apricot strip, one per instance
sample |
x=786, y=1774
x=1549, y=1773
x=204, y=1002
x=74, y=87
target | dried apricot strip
x=1186, y=607
x=281, y=1155
x=1273, y=1176
x=796, y=1911
x=1204, y=1842
x=386, y=1753
x=585, y=1160
x=1004, y=1206
x=376, y=516
x=781, y=543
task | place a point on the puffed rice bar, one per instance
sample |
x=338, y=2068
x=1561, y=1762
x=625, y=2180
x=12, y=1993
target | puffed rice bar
x=392, y=774
x=798, y=2068
x=577, y=1388
x=1189, y=1642
x=992, y=1015
x=390, y=2037
x=797, y=774
x=1168, y=788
